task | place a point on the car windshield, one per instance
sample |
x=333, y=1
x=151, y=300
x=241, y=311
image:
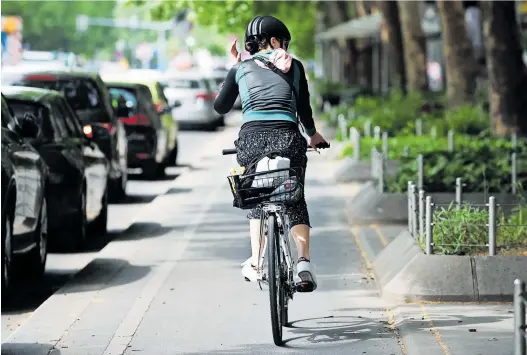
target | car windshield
x=126, y=96
x=81, y=93
x=20, y=108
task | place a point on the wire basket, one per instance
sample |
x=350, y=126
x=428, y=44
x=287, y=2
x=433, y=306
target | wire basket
x=281, y=186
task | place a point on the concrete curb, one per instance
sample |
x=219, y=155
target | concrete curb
x=370, y=206
x=405, y=274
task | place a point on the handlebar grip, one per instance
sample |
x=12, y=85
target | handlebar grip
x=229, y=151
x=323, y=145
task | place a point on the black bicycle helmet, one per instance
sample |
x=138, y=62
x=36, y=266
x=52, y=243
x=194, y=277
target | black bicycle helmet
x=267, y=26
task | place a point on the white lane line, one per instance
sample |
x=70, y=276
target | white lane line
x=126, y=330
x=118, y=248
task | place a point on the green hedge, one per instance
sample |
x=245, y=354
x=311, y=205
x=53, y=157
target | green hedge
x=484, y=164
x=397, y=115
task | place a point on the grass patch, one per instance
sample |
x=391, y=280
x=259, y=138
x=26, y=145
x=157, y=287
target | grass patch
x=465, y=231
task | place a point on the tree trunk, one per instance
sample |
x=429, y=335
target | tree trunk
x=459, y=55
x=394, y=41
x=507, y=72
x=334, y=15
x=414, y=45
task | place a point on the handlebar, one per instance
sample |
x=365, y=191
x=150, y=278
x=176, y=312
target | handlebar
x=229, y=151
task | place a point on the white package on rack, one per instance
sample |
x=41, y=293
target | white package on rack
x=267, y=164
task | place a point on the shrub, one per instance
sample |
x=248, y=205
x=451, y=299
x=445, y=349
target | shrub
x=483, y=164
x=465, y=231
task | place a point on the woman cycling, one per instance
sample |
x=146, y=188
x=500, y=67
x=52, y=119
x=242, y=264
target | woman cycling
x=269, y=112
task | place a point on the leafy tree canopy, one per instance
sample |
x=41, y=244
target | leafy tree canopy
x=231, y=16
x=51, y=25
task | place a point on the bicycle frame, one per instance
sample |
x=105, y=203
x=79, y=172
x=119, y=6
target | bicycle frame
x=282, y=220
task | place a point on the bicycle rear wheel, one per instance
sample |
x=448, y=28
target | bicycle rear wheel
x=276, y=286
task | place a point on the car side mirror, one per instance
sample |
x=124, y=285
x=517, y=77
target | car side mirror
x=28, y=126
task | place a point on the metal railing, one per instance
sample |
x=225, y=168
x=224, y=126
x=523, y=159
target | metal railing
x=520, y=301
x=422, y=219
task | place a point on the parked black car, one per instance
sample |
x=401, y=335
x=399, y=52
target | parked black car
x=78, y=169
x=24, y=209
x=89, y=98
x=148, y=145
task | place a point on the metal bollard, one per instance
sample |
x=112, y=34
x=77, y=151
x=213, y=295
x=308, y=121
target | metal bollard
x=415, y=210
x=367, y=128
x=418, y=127
x=343, y=125
x=355, y=141
x=411, y=200
x=373, y=158
x=385, y=144
x=410, y=214
x=450, y=141
x=351, y=114
x=459, y=193
x=492, y=225
x=514, y=173
x=514, y=140
x=420, y=171
x=520, y=340
x=433, y=132
x=381, y=172
x=421, y=214
x=429, y=225
x=376, y=133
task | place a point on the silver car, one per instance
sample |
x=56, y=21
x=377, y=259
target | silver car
x=219, y=77
x=196, y=93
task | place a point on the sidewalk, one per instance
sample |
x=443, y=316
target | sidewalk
x=442, y=329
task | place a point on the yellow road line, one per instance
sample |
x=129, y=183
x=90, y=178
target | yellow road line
x=435, y=331
x=391, y=318
x=355, y=231
x=379, y=232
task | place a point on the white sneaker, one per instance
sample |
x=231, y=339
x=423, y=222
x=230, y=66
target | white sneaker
x=246, y=261
x=249, y=272
x=307, y=279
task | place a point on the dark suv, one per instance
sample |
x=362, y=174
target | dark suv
x=24, y=209
x=89, y=98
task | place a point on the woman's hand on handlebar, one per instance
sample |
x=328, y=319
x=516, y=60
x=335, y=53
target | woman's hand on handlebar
x=316, y=139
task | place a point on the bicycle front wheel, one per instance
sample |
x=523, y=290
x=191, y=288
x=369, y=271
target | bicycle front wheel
x=276, y=286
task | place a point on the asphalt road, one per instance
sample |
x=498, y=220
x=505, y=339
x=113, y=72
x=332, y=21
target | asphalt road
x=62, y=267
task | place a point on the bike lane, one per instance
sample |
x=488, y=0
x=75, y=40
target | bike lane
x=205, y=306
x=173, y=285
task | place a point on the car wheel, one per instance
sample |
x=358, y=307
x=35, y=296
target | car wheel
x=153, y=170
x=99, y=226
x=7, y=253
x=173, y=156
x=118, y=187
x=73, y=238
x=211, y=127
x=35, y=261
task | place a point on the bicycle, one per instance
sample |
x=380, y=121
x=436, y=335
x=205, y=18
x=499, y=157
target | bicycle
x=274, y=190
